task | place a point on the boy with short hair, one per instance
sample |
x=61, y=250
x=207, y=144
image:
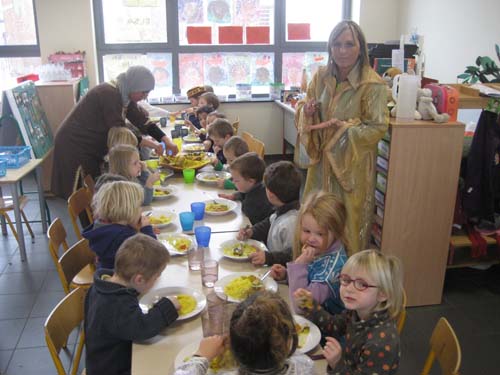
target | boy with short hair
x=113, y=317
x=234, y=147
x=209, y=99
x=247, y=171
x=219, y=132
x=282, y=182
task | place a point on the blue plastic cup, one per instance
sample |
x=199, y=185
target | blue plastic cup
x=198, y=208
x=202, y=235
x=187, y=221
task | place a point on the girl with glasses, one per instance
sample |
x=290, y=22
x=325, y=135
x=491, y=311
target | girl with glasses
x=372, y=291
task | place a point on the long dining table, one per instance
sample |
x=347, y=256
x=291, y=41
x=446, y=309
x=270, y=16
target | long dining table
x=157, y=355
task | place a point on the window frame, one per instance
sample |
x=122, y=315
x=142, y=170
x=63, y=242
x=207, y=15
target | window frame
x=172, y=46
x=23, y=50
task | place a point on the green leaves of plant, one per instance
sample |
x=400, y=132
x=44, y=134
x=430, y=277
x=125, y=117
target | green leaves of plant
x=485, y=67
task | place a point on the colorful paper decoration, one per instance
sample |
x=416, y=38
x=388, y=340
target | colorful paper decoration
x=230, y=34
x=299, y=31
x=199, y=34
x=258, y=34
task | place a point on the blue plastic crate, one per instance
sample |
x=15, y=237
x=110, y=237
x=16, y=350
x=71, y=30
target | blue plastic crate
x=15, y=156
x=3, y=168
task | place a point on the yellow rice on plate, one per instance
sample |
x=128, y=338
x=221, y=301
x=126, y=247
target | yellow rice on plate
x=241, y=287
x=187, y=302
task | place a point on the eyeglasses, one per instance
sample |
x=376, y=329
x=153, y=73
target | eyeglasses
x=359, y=284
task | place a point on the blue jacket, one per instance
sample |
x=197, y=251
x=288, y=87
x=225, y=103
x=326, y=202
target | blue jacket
x=106, y=239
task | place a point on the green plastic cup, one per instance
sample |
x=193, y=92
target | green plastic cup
x=188, y=175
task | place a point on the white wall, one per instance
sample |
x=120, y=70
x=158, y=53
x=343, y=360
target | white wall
x=455, y=31
x=67, y=25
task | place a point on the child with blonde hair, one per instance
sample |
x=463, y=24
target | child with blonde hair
x=118, y=209
x=123, y=135
x=124, y=160
x=113, y=317
x=371, y=287
x=262, y=338
x=319, y=250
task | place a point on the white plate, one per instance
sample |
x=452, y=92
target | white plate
x=170, y=188
x=230, y=204
x=256, y=244
x=157, y=213
x=189, y=350
x=164, y=239
x=153, y=295
x=189, y=139
x=269, y=284
x=313, y=337
x=207, y=177
x=193, y=147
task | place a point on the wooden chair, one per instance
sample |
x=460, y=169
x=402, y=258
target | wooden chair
x=76, y=266
x=236, y=126
x=400, y=323
x=6, y=205
x=89, y=183
x=57, y=240
x=79, y=204
x=254, y=145
x=446, y=348
x=64, y=318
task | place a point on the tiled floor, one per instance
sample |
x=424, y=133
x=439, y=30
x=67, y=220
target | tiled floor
x=28, y=292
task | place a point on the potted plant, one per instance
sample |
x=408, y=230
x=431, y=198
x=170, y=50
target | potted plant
x=486, y=70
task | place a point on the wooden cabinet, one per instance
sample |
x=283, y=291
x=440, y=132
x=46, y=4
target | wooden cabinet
x=417, y=178
x=58, y=98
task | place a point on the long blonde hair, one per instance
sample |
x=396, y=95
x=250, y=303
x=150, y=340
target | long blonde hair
x=119, y=201
x=119, y=160
x=387, y=274
x=330, y=214
x=121, y=135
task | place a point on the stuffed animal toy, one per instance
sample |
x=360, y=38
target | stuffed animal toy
x=426, y=107
x=389, y=75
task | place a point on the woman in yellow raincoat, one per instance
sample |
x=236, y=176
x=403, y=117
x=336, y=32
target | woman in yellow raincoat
x=339, y=123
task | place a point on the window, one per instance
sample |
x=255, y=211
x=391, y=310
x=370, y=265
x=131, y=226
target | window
x=19, y=50
x=215, y=42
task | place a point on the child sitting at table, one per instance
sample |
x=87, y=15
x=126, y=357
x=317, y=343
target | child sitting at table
x=207, y=142
x=319, y=251
x=113, y=317
x=262, y=338
x=117, y=206
x=234, y=147
x=123, y=135
x=371, y=288
x=247, y=171
x=219, y=132
x=282, y=181
x=124, y=160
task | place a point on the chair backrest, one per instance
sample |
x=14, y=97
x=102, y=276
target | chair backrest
x=73, y=261
x=57, y=238
x=400, y=323
x=64, y=318
x=78, y=203
x=254, y=145
x=445, y=348
x=236, y=126
x=89, y=183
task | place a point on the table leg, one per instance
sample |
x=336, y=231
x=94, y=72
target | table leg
x=19, y=223
x=41, y=198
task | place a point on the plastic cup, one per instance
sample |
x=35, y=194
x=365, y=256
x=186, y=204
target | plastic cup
x=195, y=258
x=188, y=175
x=209, y=272
x=212, y=318
x=202, y=235
x=178, y=143
x=172, y=119
x=153, y=164
x=198, y=208
x=163, y=122
x=175, y=133
x=187, y=221
x=178, y=128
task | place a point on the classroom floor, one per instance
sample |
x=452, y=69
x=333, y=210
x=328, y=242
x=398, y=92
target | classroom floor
x=29, y=290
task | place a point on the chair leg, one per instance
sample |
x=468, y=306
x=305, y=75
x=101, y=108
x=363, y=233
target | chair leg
x=28, y=226
x=12, y=228
x=4, y=225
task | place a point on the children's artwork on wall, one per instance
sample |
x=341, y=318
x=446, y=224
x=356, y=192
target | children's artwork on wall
x=190, y=11
x=215, y=69
x=219, y=11
x=190, y=69
x=262, y=69
x=238, y=68
x=25, y=106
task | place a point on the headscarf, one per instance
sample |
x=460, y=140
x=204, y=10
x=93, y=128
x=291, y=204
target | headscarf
x=135, y=79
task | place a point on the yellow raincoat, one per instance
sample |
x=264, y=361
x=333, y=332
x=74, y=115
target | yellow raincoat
x=342, y=160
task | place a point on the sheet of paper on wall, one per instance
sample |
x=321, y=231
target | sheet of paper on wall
x=486, y=90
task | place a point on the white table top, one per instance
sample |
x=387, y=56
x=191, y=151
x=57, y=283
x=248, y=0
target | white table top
x=14, y=175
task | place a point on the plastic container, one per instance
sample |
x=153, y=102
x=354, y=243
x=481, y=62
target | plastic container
x=15, y=156
x=404, y=90
x=243, y=91
x=275, y=90
x=3, y=168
